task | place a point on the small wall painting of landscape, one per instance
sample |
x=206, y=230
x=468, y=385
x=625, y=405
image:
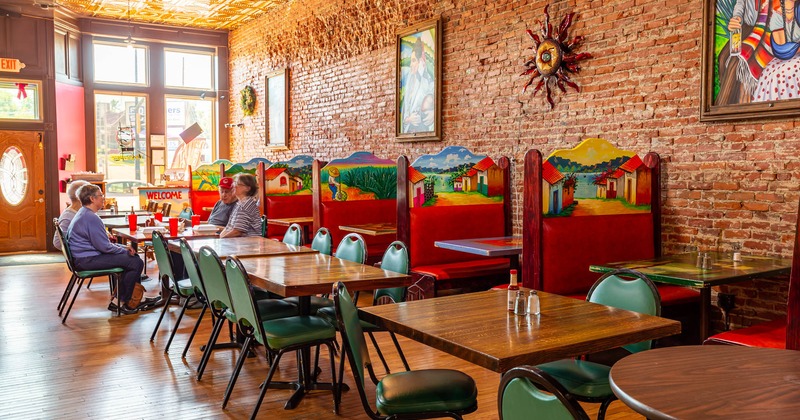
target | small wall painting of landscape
x=362, y=176
x=292, y=177
x=249, y=167
x=595, y=178
x=206, y=177
x=454, y=177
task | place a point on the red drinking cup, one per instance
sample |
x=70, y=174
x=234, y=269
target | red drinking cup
x=159, y=216
x=132, y=222
x=173, y=226
x=195, y=220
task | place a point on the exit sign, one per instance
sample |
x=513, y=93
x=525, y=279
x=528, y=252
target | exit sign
x=11, y=65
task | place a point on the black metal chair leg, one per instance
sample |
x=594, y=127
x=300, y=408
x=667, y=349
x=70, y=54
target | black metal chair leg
x=601, y=413
x=207, y=352
x=400, y=351
x=336, y=384
x=78, y=290
x=266, y=385
x=160, y=318
x=67, y=293
x=177, y=324
x=236, y=370
x=378, y=350
x=194, y=330
x=89, y=284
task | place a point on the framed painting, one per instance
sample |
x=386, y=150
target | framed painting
x=418, y=98
x=749, y=66
x=277, y=91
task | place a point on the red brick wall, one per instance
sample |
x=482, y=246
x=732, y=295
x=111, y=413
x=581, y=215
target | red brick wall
x=722, y=182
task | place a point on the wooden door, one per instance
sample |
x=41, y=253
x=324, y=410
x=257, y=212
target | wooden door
x=22, y=207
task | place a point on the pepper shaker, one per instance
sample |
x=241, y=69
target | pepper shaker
x=519, y=304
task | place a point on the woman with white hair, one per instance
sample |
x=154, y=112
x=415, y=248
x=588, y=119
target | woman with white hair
x=69, y=212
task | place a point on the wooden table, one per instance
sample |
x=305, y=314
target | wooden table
x=243, y=247
x=680, y=269
x=478, y=328
x=124, y=234
x=510, y=246
x=120, y=222
x=304, y=222
x=731, y=382
x=371, y=229
x=304, y=275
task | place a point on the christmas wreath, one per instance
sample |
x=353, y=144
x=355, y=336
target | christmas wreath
x=247, y=100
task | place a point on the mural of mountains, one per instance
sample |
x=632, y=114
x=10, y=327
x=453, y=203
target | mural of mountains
x=451, y=158
x=568, y=166
x=214, y=167
x=361, y=158
x=298, y=161
x=249, y=166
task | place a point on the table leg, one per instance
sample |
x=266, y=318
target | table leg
x=705, y=308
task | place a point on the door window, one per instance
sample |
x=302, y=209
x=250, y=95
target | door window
x=13, y=176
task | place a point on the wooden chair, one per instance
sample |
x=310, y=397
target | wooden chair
x=165, y=209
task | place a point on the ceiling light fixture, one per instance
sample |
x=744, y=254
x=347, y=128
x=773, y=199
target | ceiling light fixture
x=129, y=40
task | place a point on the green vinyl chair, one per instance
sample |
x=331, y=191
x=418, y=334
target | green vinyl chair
x=190, y=265
x=322, y=241
x=183, y=288
x=293, y=235
x=588, y=381
x=418, y=394
x=264, y=226
x=79, y=276
x=279, y=335
x=526, y=393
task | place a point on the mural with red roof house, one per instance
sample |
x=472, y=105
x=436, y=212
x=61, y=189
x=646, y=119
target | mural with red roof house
x=594, y=178
x=455, y=176
x=292, y=177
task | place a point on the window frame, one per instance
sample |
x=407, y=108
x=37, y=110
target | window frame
x=147, y=60
x=39, y=105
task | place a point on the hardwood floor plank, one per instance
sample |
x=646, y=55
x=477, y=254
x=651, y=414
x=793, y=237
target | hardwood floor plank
x=101, y=366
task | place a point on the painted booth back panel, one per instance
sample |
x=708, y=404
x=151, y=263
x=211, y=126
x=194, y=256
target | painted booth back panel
x=453, y=177
x=595, y=178
x=291, y=177
x=361, y=176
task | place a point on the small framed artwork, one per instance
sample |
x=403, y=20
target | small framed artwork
x=158, y=140
x=749, y=66
x=418, y=98
x=158, y=157
x=277, y=87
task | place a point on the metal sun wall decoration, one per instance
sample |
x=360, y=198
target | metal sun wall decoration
x=553, y=58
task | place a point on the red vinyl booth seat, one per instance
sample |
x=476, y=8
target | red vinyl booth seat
x=431, y=224
x=572, y=244
x=359, y=212
x=768, y=334
x=286, y=206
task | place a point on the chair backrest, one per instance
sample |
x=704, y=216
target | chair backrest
x=162, y=257
x=190, y=264
x=64, y=246
x=322, y=241
x=264, y=225
x=353, y=338
x=293, y=235
x=214, y=278
x=152, y=206
x=166, y=209
x=242, y=298
x=352, y=248
x=394, y=259
x=629, y=290
x=526, y=391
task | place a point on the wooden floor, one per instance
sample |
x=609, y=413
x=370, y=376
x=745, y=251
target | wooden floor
x=101, y=366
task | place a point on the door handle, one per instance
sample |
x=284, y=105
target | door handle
x=41, y=200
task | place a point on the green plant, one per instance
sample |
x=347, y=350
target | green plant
x=380, y=181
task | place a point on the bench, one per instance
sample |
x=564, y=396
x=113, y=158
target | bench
x=578, y=212
x=286, y=191
x=474, y=205
x=366, y=191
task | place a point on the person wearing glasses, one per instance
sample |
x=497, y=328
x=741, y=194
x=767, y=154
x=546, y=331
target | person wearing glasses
x=91, y=249
x=246, y=216
x=221, y=212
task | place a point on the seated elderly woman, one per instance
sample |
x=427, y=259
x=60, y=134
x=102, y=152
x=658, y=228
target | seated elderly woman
x=92, y=250
x=69, y=213
x=245, y=218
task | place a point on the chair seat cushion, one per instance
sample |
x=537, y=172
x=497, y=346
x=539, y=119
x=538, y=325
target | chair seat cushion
x=420, y=391
x=770, y=334
x=185, y=287
x=97, y=273
x=275, y=308
x=285, y=332
x=580, y=378
x=464, y=269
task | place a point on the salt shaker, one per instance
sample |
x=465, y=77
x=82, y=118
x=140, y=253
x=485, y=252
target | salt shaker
x=533, y=303
x=519, y=304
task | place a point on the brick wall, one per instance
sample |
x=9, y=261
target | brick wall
x=722, y=182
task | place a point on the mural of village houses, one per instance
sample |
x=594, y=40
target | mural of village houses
x=361, y=176
x=454, y=176
x=595, y=178
x=292, y=177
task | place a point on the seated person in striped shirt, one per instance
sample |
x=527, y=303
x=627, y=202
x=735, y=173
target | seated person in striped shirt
x=246, y=216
